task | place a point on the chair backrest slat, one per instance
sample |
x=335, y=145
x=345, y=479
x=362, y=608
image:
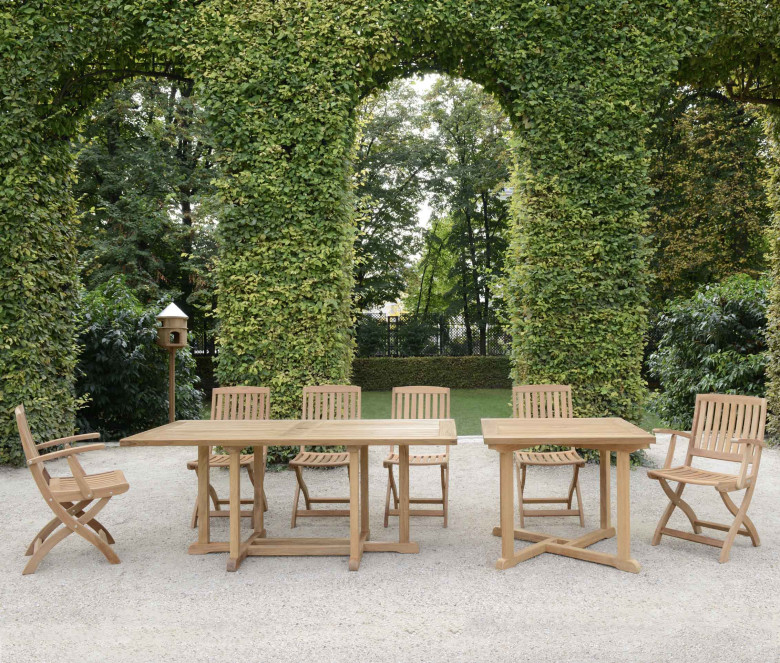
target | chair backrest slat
x=333, y=401
x=720, y=418
x=240, y=403
x=39, y=472
x=542, y=401
x=420, y=403
x=532, y=401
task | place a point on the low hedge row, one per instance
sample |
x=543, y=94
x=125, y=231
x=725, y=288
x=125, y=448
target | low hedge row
x=384, y=373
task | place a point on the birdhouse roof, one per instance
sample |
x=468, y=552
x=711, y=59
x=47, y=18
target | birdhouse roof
x=171, y=311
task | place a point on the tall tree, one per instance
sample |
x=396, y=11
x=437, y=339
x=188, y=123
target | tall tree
x=144, y=169
x=473, y=133
x=709, y=213
x=395, y=164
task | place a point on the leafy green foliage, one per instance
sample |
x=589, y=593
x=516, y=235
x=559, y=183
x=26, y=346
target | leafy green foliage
x=464, y=248
x=122, y=372
x=709, y=211
x=713, y=342
x=395, y=165
x=384, y=373
x=144, y=174
x=773, y=323
x=280, y=83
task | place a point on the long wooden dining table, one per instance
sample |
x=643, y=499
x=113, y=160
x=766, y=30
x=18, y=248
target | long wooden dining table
x=605, y=435
x=358, y=435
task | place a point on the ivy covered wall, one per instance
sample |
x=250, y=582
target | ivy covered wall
x=281, y=81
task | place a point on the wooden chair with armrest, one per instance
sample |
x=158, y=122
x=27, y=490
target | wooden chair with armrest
x=725, y=428
x=69, y=497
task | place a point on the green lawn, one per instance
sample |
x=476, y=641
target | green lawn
x=468, y=407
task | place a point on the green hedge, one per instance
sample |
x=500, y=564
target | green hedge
x=280, y=84
x=384, y=373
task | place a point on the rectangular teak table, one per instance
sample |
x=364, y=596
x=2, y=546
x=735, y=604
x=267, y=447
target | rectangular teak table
x=357, y=434
x=605, y=435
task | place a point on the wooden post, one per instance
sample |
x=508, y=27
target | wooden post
x=172, y=385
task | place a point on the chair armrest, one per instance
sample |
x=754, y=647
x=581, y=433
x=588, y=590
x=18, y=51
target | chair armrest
x=751, y=455
x=746, y=440
x=672, y=442
x=670, y=431
x=68, y=440
x=62, y=453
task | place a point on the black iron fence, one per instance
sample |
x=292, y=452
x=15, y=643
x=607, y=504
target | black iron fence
x=378, y=335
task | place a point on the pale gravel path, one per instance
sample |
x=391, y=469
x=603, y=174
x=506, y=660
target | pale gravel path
x=447, y=603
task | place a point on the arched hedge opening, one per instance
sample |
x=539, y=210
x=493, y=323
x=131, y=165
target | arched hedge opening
x=281, y=82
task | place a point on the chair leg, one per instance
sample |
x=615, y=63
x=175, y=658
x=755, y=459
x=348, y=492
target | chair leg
x=445, y=480
x=194, y=520
x=734, y=529
x=520, y=487
x=394, y=488
x=749, y=526
x=99, y=528
x=70, y=525
x=295, y=507
x=263, y=500
x=53, y=524
x=576, y=487
x=387, y=494
x=214, y=498
x=675, y=501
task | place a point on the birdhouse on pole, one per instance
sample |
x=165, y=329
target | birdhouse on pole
x=172, y=332
x=172, y=335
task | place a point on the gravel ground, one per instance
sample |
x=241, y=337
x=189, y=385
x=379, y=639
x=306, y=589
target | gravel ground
x=447, y=603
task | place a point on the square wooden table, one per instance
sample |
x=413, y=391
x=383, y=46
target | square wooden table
x=356, y=434
x=605, y=435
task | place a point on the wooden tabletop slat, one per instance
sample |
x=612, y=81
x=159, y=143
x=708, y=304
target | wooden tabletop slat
x=588, y=433
x=295, y=432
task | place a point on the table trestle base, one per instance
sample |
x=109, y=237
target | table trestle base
x=257, y=545
x=576, y=548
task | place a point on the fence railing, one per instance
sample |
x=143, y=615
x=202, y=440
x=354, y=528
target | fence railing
x=427, y=336
x=378, y=335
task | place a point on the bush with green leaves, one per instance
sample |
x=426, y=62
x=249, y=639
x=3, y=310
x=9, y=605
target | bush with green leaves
x=122, y=372
x=714, y=341
x=280, y=84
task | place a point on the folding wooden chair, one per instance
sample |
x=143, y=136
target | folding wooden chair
x=69, y=497
x=323, y=402
x=546, y=401
x=234, y=403
x=727, y=428
x=420, y=403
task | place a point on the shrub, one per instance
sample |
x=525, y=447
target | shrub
x=713, y=342
x=384, y=373
x=122, y=372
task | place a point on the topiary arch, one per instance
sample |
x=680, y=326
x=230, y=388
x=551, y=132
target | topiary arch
x=281, y=80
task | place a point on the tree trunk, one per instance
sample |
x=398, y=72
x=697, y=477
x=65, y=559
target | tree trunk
x=465, y=290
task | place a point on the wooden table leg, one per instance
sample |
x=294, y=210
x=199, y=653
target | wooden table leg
x=625, y=563
x=604, y=489
x=234, y=558
x=354, y=508
x=364, y=517
x=507, y=502
x=204, y=509
x=258, y=517
x=403, y=493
